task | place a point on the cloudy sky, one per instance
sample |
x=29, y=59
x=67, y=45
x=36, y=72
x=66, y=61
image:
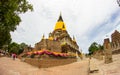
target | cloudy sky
x=87, y=20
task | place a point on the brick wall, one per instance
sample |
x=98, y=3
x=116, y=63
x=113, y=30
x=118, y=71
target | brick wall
x=53, y=45
x=49, y=44
x=44, y=63
x=116, y=51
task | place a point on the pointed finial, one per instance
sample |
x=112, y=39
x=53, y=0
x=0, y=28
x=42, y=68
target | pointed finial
x=43, y=37
x=74, y=39
x=60, y=17
x=60, y=13
x=50, y=34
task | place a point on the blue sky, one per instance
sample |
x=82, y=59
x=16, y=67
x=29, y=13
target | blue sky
x=87, y=20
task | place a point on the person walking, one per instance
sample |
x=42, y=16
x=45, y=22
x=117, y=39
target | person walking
x=14, y=56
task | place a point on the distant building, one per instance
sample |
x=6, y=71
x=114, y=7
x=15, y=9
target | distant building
x=115, y=37
x=59, y=40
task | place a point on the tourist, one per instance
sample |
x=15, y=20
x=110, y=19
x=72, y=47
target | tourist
x=13, y=56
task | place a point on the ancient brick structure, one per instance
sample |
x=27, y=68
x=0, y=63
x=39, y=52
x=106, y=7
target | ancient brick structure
x=115, y=37
x=59, y=40
x=108, y=51
x=110, y=48
x=98, y=54
x=49, y=45
x=45, y=63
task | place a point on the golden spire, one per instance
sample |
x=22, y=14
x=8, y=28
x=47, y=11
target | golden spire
x=60, y=24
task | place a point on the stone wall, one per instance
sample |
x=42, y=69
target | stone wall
x=45, y=63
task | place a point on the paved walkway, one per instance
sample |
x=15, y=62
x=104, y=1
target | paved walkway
x=17, y=67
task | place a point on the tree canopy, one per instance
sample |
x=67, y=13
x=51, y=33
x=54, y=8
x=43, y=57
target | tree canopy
x=94, y=47
x=9, y=17
x=16, y=48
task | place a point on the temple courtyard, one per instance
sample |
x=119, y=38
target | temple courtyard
x=81, y=67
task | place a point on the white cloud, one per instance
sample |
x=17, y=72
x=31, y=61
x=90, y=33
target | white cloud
x=81, y=18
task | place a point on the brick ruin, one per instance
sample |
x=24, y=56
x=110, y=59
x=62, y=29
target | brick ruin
x=107, y=51
x=115, y=42
x=113, y=46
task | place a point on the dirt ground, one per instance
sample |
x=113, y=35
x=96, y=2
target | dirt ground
x=17, y=67
x=82, y=67
x=100, y=68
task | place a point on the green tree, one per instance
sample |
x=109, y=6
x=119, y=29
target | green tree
x=14, y=48
x=93, y=47
x=5, y=38
x=9, y=17
x=22, y=46
x=100, y=47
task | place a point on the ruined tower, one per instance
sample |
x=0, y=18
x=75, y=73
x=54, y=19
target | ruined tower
x=108, y=51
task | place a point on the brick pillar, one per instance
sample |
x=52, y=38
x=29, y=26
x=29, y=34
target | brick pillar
x=108, y=51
